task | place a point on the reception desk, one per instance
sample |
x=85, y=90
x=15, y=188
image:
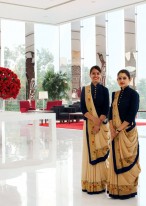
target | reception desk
x=24, y=142
x=9, y=116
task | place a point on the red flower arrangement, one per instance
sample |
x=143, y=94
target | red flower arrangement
x=9, y=84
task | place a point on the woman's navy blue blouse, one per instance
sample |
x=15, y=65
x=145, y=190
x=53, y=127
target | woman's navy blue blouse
x=128, y=105
x=100, y=95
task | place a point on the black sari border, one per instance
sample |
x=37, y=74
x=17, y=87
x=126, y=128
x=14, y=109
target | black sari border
x=94, y=193
x=122, y=197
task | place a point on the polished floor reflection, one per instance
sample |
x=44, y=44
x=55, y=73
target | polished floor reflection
x=37, y=170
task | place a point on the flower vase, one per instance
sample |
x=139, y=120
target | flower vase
x=2, y=105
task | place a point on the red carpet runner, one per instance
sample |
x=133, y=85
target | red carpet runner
x=72, y=125
x=79, y=125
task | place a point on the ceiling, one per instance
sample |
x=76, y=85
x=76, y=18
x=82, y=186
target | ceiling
x=58, y=11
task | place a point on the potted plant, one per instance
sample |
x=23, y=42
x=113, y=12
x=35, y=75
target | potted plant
x=57, y=85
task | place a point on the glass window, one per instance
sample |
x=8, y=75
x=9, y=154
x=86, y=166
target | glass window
x=88, y=48
x=115, y=47
x=101, y=45
x=130, y=44
x=13, y=55
x=65, y=51
x=141, y=63
x=46, y=51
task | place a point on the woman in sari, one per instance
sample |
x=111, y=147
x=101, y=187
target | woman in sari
x=95, y=108
x=124, y=166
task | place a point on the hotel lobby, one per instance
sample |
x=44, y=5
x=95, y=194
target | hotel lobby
x=40, y=165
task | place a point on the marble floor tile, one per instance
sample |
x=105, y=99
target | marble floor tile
x=37, y=170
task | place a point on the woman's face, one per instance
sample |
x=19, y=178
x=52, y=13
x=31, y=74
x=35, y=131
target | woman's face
x=123, y=80
x=95, y=76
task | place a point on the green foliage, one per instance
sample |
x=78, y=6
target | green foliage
x=15, y=60
x=45, y=61
x=44, y=58
x=12, y=105
x=112, y=85
x=86, y=76
x=57, y=85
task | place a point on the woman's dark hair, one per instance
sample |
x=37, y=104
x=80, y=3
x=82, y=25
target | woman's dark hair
x=125, y=71
x=95, y=67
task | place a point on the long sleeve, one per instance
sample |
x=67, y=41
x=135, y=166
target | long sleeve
x=111, y=107
x=133, y=107
x=105, y=108
x=83, y=104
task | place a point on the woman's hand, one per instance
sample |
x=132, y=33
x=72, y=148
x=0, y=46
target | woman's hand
x=96, y=121
x=96, y=129
x=114, y=133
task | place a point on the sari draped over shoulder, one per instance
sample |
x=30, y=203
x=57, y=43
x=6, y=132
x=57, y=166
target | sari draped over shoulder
x=95, y=151
x=124, y=165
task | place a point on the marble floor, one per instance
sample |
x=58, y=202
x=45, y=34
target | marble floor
x=39, y=170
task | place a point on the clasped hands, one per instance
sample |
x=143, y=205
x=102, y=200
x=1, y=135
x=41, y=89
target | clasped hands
x=114, y=132
x=97, y=123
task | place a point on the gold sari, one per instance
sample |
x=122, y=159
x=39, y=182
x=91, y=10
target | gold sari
x=124, y=165
x=95, y=152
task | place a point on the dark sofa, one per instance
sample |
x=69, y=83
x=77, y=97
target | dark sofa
x=63, y=113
